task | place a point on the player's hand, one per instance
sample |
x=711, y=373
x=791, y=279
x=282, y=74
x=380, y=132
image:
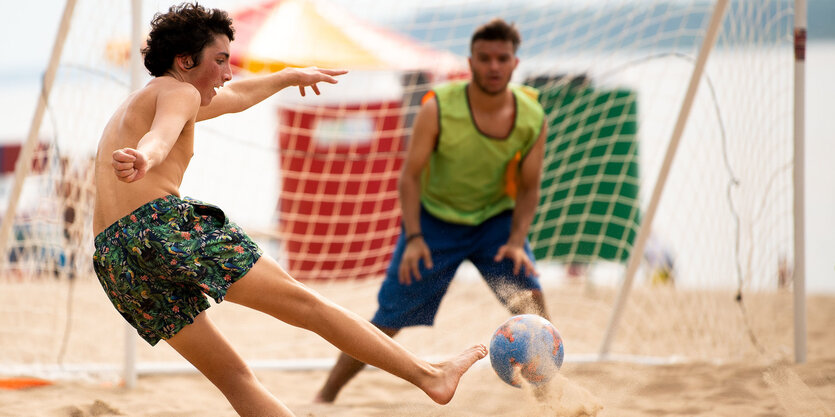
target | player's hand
x=519, y=257
x=129, y=165
x=415, y=251
x=311, y=76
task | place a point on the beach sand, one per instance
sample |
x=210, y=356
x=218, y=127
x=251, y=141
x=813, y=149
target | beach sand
x=759, y=386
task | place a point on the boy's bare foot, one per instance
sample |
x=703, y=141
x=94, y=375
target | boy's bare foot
x=441, y=386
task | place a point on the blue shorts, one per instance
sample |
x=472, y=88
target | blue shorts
x=450, y=244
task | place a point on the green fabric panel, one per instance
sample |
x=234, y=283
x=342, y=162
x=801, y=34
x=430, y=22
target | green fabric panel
x=589, y=208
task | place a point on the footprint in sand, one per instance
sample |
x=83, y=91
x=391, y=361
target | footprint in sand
x=98, y=408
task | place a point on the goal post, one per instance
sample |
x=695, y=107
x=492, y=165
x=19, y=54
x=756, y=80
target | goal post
x=136, y=69
x=637, y=252
x=670, y=223
x=799, y=166
x=797, y=174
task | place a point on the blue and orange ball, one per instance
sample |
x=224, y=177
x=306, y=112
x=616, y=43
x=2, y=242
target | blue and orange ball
x=526, y=347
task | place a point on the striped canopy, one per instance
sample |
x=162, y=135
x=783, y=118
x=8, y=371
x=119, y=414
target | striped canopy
x=299, y=33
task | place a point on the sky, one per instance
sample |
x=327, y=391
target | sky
x=29, y=29
x=37, y=22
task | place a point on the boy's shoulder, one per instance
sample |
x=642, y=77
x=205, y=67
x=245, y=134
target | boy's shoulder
x=160, y=90
x=170, y=85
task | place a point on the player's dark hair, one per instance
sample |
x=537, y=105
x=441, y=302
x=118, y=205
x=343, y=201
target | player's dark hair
x=185, y=30
x=497, y=30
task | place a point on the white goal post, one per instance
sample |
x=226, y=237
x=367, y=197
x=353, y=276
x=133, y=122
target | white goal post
x=673, y=177
x=797, y=172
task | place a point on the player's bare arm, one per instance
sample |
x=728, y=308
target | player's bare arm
x=240, y=95
x=527, y=198
x=176, y=106
x=425, y=133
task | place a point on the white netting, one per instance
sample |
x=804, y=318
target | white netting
x=314, y=179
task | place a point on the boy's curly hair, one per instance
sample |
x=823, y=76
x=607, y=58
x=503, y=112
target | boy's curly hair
x=184, y=30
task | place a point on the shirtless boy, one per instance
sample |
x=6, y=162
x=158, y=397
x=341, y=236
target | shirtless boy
x=159, y=255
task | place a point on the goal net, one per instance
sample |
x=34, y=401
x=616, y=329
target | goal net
x=314, y=179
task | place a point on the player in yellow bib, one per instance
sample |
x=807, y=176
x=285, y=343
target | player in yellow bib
x=468, y=191
x=470, y=172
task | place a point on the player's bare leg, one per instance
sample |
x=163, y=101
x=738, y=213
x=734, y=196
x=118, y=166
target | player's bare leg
x=208, y=350
x=268, y=288
x=440, y=384
x=345, y=369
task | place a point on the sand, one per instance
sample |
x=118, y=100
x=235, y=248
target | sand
x=765, y=385
x=598, y=389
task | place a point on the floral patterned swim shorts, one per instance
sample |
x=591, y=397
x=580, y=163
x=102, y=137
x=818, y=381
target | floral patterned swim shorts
x=158, y=263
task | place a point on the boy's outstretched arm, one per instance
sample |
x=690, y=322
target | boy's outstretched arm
x=240, y=95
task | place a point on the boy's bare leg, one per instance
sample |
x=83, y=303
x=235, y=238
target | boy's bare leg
x=343, y=371
x=267, y=288
x=208, y=350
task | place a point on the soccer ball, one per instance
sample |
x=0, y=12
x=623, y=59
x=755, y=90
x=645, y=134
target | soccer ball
x=526, y=346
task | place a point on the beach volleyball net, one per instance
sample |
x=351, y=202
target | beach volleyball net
x=667, y=219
